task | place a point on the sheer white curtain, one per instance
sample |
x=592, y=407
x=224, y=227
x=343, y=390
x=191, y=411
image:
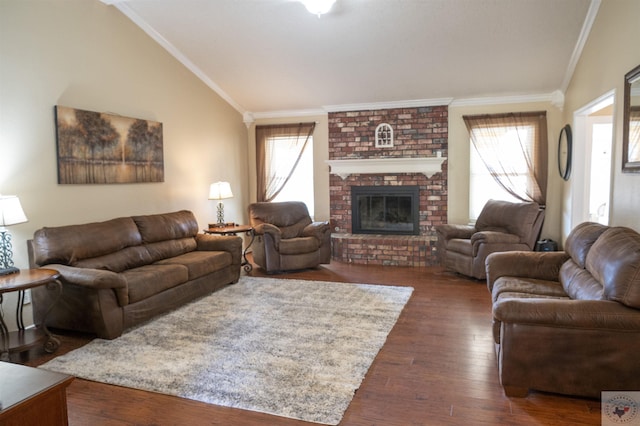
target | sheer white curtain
x=278, y=151
x=513, y=147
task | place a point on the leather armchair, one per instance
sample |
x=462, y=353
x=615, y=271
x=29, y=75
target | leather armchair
x=286, y=238
x=501, y=226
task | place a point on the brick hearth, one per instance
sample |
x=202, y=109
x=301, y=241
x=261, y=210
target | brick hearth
x=418, y=132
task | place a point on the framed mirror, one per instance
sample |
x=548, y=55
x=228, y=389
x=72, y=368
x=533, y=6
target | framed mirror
x=564, y=152
x=631, y=122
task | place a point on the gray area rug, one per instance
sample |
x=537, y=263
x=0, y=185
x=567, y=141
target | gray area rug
x=291, y=348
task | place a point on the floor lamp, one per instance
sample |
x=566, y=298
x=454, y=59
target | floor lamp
x=11, y=213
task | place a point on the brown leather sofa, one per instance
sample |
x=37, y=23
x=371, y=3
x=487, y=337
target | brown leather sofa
x=124, y=271
x=286, y=238
x=569, y=322
x=501, y=226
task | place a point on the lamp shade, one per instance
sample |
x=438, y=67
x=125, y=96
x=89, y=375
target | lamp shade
x=220, y=190
x=11, y=211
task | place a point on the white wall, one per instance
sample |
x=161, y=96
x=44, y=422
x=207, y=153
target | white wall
x=84, y=54
x=611, y=51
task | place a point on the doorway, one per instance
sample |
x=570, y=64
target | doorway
x=590, y=183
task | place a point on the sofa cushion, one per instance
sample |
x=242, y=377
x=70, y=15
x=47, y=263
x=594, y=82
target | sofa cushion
x=200, y=263
x=128, y=258
x=581, y=239
x=148, y=280
x=170, y=248
x=579, y=283
x=512, y=218
x=69, y=244
x=167, y=226
x=614, y=260
x=526, y=286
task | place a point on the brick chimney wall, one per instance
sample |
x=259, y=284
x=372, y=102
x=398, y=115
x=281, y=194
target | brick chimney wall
x=418, y=132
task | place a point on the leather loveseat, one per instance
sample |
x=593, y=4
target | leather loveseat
x=286, y=238
x=569, y=322
x=122, y=272
x=501, y=226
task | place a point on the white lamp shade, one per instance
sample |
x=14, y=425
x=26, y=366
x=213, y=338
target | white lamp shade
x=11, y=211
x=220, y=190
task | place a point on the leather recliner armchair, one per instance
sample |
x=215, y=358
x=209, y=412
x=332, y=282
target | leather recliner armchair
x=286, y=238
x=501, y=226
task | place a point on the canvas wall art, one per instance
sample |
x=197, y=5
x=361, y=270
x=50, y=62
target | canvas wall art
x=97, y=148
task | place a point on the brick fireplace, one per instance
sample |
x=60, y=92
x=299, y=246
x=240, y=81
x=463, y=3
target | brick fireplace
x=417, y=158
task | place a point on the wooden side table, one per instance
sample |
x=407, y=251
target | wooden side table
x=235, y=230
x=32, y=396
x=25, y=338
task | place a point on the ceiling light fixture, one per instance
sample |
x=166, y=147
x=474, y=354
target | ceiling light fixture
x=318, y=7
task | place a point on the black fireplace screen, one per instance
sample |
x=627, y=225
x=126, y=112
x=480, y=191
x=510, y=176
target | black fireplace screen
x=385, y=210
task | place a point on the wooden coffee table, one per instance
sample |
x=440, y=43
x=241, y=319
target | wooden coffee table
x=32, y=396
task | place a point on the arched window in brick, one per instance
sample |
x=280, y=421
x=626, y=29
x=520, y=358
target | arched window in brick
x=384, y=136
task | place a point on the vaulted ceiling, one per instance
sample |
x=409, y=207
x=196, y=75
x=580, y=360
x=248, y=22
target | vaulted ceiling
x=273, y=56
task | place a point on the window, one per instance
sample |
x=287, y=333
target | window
x=284, y=162
x=299, y=187
x=482, y=186
x=508, y=159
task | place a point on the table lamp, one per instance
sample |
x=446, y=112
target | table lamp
x=219, y=191
x=11, y=213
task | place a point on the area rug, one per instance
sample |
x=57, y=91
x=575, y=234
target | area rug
x=291, y=348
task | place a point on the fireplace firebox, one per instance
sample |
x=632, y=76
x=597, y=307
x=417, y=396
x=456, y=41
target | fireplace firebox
x=390, y=210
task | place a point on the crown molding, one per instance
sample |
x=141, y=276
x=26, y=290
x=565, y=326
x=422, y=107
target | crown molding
x=582, y=40
x=289, y=113
x=555, y=98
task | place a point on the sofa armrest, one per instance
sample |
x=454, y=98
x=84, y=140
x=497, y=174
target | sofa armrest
x=91, y=278
x=272, y=230
x=544, y=265
x=230, y=243
x=493, y=237
x=318, y=230
x=450, y=231
x=586, y=314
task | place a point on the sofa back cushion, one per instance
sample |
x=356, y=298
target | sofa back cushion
x=614, y=260
x=167, y=226
x=71, y=244
x=169, y=234
x=580, y=240
x=291, y=217
x=511, y=218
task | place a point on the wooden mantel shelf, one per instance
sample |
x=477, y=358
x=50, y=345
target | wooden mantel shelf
x=425, y=165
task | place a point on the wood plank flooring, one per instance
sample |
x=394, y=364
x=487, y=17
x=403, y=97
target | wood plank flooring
x=437, y=367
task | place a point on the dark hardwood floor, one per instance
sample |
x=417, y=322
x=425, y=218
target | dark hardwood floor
x=438, y=367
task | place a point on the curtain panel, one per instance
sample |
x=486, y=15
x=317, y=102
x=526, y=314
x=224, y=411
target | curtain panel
x=487, y=136
x=287, y=142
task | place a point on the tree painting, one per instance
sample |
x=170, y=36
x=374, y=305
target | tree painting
x=96, y=147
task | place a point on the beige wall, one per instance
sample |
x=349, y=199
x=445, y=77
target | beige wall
x=84, y=54
x=611, y=51
x=459, y=152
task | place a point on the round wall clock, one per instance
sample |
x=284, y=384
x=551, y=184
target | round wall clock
x=564, y=152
